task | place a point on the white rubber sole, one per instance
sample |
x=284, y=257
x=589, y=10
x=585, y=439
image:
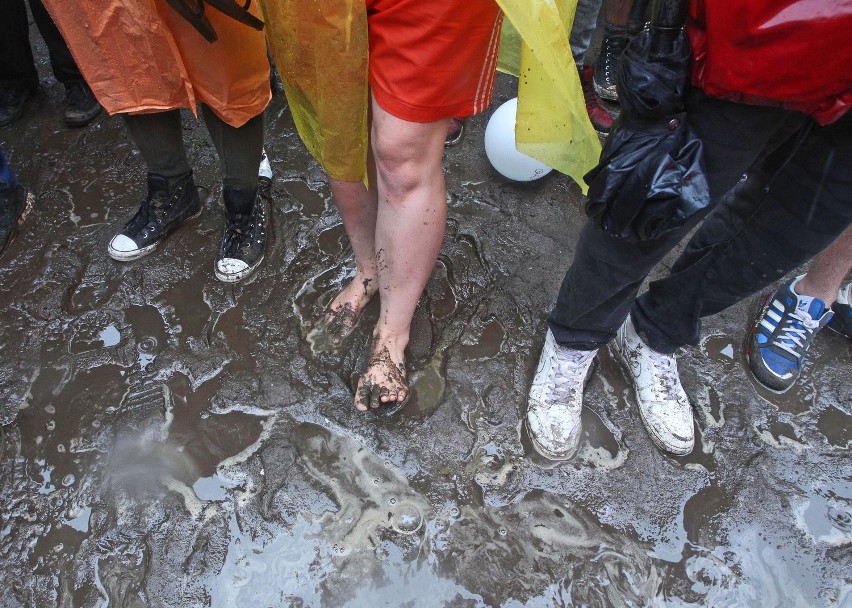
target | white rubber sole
x=236, y=277
x=127, y=256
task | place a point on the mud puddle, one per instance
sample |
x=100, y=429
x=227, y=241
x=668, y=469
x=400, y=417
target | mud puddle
x=172, y=441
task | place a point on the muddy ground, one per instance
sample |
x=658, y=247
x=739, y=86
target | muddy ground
x=172, y=441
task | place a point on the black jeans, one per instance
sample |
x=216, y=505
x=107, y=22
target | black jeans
x=17, y=68
x=797, y=199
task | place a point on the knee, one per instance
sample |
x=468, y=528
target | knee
x=404, y=164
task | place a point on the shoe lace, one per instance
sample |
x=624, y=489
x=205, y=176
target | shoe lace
x=795, y=333
x=567, y=376
x=239, y=233
x=151, y=212
x=664, y=370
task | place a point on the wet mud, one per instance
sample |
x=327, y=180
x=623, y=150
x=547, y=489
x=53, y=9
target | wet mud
x=169, y=440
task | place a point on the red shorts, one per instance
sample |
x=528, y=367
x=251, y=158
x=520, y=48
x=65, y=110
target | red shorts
x=432, y=59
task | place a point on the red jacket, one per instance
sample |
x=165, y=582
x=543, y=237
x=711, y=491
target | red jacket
x=795, y=54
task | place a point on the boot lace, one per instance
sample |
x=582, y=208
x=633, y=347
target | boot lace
x=613, y=48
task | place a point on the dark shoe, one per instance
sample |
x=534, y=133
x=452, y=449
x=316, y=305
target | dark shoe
x=782, y=334
x=841, y=322
x=244, y=240
x=169, y=203
x=81, y=106
x=601, y=120
x=15, y=205
x=607, y=65
x=12, y=104
x=454, y=131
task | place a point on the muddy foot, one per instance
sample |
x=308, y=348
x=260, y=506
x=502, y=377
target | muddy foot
x=342, y=315
x=384, y=384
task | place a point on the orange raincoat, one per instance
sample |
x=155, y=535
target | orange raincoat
x=140, y=56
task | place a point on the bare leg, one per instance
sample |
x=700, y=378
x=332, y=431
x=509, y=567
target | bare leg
x=412, y=214
x=357, y=207
x=618, y=11
x=828, y=270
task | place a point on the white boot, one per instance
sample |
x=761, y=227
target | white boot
x=663, y=404
x=556, y=399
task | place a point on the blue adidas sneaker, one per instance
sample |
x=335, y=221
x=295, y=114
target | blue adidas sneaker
x=841, y=322
x=782, y=334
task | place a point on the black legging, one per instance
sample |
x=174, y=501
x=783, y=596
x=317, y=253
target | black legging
x=159, y=137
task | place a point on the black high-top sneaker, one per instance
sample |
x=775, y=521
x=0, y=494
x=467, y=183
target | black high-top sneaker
x=169, y=203
x=246, y=224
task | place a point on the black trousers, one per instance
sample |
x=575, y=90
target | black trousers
x=795, y=202
x=17, y=68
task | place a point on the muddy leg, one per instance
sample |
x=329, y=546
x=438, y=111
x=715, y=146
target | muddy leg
x=412, y=214
x=357, y=207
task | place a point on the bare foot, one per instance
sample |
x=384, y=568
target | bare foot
x=384, y=382
x=345, y=310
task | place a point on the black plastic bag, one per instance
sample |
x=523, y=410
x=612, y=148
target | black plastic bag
x=651, y=178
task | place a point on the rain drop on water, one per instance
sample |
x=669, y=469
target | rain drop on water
x=407, y=519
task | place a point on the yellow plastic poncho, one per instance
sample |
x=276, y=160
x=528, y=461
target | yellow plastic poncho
x=321, y=50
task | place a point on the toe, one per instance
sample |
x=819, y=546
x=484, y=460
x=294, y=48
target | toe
x=362, y=396
x=376, y=395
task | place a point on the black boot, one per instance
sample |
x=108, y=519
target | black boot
x=81, y=106
x=12, y=102
x=15, y=204
x=606, y=66
x=246, y=223
x=170, y=202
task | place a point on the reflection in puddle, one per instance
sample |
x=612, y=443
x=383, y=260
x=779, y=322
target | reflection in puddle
x=110, y=336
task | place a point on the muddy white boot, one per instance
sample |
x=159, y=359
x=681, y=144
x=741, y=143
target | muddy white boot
x=556, y=399
x=663, y=404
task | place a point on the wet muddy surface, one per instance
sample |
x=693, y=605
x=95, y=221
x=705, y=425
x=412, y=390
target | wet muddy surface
x=172, y=441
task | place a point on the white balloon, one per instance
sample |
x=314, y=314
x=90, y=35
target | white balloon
x=500, y=147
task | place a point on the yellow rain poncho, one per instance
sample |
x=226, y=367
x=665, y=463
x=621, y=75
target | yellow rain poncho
x=321, y=50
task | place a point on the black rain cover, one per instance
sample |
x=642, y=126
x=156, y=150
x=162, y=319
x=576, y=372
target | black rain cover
x=651, y=178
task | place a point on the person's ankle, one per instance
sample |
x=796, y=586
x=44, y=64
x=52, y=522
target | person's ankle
x=804, y=287
x=395, y=341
